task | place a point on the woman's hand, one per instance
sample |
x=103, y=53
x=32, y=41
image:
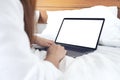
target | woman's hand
x=55, y=54
x=43, y=42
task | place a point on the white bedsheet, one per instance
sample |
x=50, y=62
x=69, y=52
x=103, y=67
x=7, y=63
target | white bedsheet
x=103, y=64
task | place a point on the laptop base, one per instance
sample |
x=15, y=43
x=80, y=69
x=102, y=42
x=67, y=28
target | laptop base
x=75, y=54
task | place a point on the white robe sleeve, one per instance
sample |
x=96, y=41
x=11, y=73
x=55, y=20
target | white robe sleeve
x=17, y=62
x=44, y=71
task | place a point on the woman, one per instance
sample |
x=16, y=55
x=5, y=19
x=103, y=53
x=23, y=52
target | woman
x=16, y=58
x=29, y=9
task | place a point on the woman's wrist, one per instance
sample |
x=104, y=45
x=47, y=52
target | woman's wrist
x=35, y=39
x=53, y=61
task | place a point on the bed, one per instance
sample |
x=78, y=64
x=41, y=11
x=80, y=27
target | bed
x=104, y=63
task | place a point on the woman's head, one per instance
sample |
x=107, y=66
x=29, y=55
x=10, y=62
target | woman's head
x=29, y=9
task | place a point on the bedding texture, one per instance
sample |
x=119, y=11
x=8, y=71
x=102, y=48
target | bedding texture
x=103, y=64
x=110, y=34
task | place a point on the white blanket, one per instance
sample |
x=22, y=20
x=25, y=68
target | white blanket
x=103, y=64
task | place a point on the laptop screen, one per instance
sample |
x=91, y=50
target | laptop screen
x=83, y=32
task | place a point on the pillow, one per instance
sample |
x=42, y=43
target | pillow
x=37, y=15
x=110, y=34
x=36, y=18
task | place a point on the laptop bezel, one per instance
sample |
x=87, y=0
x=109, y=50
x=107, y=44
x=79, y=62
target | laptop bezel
x=76, y=47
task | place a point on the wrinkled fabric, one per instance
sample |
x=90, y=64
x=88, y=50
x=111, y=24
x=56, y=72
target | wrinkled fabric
x=103, y=64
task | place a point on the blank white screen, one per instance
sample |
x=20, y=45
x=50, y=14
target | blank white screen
x=80, y=32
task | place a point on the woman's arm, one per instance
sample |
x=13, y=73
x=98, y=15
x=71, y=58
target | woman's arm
x=55, y=54
x=42, y=41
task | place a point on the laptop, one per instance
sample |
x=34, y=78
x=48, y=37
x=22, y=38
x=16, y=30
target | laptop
x=80, y=34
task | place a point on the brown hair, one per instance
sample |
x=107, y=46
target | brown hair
x=29, y=8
